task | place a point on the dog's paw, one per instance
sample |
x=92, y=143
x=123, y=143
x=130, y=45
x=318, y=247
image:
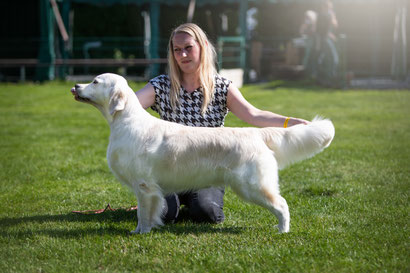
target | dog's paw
x=282, y=230
x=141, y=230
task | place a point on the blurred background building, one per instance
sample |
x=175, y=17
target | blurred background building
x=256, y=40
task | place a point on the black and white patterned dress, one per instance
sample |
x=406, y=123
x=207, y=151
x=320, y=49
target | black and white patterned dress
x=188, y=110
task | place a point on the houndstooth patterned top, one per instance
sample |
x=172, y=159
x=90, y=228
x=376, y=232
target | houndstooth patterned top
x=188, y=111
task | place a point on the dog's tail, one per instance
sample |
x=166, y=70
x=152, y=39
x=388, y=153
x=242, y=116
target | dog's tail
x=299, y=142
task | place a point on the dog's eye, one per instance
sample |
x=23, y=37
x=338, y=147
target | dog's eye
x=95, y=82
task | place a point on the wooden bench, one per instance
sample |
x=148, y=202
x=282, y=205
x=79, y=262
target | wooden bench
x=23, y=63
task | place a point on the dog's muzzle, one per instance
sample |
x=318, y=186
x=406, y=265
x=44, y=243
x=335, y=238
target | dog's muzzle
x=77, y=97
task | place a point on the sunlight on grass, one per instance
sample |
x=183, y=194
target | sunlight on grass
x=349, y=205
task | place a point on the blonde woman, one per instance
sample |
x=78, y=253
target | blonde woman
x=193, y=94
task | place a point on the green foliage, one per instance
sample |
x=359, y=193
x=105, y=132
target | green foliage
x=349, y=205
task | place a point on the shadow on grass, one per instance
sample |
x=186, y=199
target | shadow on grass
x=319, y=191
x=183, y=227
x=189, y=227
x=108, y=216
x=64, y=232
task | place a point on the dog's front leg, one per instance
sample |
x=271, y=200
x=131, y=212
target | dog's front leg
x=143, y=215
x=150, y=206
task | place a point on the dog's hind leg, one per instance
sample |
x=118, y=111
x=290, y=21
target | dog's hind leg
x=261, y=187
x=276, y=204
x=269, y=198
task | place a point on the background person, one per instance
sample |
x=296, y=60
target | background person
x=308, y=32
x=328, y=57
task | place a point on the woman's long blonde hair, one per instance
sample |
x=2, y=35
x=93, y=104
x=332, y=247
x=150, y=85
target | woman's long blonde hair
x=207, y=68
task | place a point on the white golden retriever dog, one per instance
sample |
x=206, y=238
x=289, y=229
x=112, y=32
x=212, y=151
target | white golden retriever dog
x=155, y=157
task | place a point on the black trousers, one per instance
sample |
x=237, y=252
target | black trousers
x=205, y=205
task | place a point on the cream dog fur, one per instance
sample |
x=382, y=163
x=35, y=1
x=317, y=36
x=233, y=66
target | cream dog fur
x=155, y=157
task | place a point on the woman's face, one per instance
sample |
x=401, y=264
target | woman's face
x=187, y=52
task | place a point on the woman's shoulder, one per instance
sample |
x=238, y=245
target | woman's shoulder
x=161, y=79
x=222, y=82
x=161, y=84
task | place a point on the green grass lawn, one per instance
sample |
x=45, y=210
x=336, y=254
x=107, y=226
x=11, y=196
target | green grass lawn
x=349, y=205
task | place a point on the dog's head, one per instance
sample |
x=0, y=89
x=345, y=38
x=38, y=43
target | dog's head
x=106, y=92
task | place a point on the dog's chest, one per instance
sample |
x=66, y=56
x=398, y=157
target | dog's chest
x=124, y=162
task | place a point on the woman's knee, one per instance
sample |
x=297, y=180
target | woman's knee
x=207, y=205
x=171, y=208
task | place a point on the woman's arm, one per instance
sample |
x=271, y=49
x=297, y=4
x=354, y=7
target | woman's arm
x=245, y=111
x=146, y=96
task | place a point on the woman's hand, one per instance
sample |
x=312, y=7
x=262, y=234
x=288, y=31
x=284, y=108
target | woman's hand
x=296, y=121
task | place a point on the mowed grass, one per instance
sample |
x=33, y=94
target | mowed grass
x=349, y=205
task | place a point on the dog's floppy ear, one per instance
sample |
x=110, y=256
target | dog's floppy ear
x=117, y=101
